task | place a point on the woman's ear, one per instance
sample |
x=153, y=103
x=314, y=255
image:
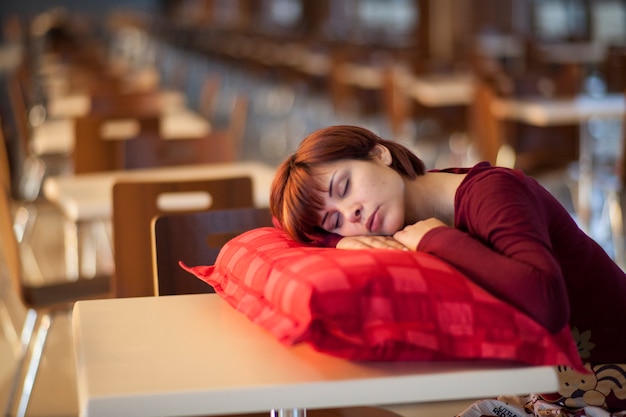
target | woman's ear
x=382, y=154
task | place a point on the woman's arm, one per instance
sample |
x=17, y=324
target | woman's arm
x=505, y=247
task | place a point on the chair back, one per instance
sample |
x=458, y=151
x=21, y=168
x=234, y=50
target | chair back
x=229, y=121
x=95, y=153
x=135, y=104
x=485, y=129
x=5, y=167
x=136, y=203
x=614, y=68
x=151, y=149
x=19, y=109
x=397, y=106
x=10, y=252
x=196, y=239
x=209, y=95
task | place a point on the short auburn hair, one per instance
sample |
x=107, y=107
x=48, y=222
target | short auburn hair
x=296, y=194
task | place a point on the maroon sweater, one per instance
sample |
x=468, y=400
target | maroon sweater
x=512, y=237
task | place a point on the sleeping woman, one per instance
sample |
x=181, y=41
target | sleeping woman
x=346, y=187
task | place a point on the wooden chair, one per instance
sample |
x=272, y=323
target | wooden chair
x=42, y=302
x=196, y=239
x=209, y=95
x=93, y=153
x=134, y=104
x=136, y=203
x=22, y=192
x=22, y=155
x=229, y=119
x=7, y=324
x=485, y=129
x=148, y=148
x=614, y=68
x=5, y=167
x=397, y=106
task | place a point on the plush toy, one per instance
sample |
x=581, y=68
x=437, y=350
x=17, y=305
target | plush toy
x=604, y=386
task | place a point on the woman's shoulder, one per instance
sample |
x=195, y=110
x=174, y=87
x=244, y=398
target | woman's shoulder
x=484, y=170
x=484, y=179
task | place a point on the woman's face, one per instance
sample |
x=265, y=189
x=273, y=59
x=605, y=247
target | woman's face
x=362, y=197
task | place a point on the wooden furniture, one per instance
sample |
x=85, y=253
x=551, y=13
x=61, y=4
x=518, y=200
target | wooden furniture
x=484, y=127
x=43, y=302
x=542, y=111
x=5, y=171
x=22, y=192
x=82, y=104
x=136, y=203
x=441, y=90
x=443, y=97
x=58, y=136
x=545, y=112
x=93, y=153
x=143, y=142
x=194, y=354
x=195, y=239
x=86, y=199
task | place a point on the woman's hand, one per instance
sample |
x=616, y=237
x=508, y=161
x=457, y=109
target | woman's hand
x=365, y=242
x=412, y=234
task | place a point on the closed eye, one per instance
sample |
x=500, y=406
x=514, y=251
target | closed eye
x=331, y=220
x=346, y=188
x=337, y=218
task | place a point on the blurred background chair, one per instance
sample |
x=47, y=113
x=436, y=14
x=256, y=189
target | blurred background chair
x=136, y=203
x=196, y=239
x=42, y=302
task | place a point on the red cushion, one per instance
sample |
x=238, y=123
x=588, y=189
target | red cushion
x=375, y=304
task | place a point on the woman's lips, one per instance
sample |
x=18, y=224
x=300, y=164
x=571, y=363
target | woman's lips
x=372, y=221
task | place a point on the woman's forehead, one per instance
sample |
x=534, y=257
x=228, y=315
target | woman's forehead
x=322, y=174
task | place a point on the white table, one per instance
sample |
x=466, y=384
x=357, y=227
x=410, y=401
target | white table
x=87, y=198
x=194, y=354
x=440, y=90
x=553, y=112
x=363, y=76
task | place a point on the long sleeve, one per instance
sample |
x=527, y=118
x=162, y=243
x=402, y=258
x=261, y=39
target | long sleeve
x=501, y=241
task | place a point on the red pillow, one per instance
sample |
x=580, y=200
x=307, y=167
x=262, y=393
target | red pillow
x=375, y=304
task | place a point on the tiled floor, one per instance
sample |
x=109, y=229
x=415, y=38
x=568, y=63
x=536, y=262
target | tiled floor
x=54, y=394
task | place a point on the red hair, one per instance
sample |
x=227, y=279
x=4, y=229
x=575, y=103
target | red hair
x=296, y=195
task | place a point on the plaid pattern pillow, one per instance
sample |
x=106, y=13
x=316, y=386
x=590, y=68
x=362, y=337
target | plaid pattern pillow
x=375, y=304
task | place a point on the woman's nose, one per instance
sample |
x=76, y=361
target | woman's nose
x=353, y=213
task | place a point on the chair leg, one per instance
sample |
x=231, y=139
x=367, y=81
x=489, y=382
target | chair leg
x=288, y=412
x=33, y=365
x=25, y=338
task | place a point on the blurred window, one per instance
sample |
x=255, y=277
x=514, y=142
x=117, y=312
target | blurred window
x=559, y=19
x=609, y=21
